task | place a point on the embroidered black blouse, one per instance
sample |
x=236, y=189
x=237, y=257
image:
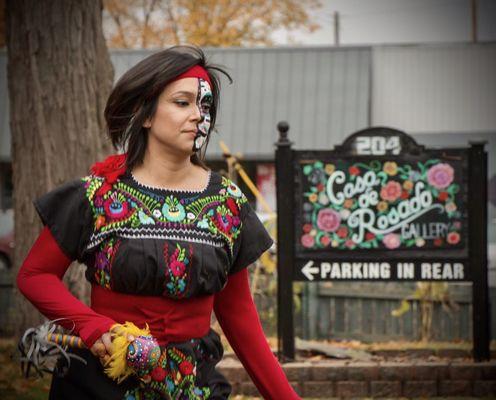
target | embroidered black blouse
x=144, y=240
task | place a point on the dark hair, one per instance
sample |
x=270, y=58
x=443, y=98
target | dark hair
x=134, y=98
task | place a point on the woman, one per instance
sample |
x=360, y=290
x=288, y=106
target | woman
x=165, y=241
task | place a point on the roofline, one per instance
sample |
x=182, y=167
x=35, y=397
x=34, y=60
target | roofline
x=313, y=47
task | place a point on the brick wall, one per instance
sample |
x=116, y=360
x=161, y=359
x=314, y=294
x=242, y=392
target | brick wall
x=347, y=379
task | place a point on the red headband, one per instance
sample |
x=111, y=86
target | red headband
x=195, y=72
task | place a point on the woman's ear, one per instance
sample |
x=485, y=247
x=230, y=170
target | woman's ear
x=147, y=123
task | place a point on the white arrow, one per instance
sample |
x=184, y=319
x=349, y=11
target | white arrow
x=308, y=270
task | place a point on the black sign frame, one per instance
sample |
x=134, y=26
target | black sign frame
x=465, y=262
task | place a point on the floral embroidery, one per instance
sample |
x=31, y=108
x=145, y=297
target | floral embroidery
x=177, y=270
x=103, y=262
x=174, y=377
x=173, y=210
x=213, y=218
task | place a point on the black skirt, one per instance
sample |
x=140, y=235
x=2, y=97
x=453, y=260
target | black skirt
x=186, y=372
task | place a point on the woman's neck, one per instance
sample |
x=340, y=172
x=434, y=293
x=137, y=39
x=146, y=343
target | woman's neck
x=170, y=172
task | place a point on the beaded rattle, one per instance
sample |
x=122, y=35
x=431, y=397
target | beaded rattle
x=137, y=357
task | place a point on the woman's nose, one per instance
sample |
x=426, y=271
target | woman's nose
x=196, y=115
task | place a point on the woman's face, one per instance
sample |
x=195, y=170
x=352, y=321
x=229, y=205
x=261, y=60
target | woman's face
x=182, y=119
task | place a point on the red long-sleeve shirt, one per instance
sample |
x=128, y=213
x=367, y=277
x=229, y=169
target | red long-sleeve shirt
x=39, y=279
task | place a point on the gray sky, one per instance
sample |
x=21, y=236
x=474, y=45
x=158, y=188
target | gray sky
x=396, y=21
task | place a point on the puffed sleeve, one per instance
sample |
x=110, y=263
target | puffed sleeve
x=67, y=213
x=252, y=241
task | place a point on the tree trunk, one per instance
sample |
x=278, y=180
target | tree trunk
x=59, y=77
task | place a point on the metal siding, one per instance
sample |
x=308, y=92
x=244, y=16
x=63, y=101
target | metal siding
x=435, y=88
x=322, y=92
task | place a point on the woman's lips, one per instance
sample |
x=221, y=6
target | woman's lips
x=191, y=133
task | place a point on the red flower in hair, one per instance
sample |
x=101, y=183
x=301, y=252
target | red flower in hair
x=110, y=169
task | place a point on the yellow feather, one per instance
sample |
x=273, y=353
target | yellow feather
x=117, y=367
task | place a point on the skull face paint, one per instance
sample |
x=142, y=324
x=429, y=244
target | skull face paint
x=204, y=102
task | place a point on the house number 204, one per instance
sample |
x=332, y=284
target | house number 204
x=378, y=145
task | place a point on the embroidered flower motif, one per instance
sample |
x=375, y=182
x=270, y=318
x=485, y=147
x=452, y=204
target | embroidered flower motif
x=158, y=374
x=145, y=219
x=100, y=221
x=177, y=268
x=115, y=208
x=211, y=217
x=174, y=377
x=234, y=190
x=223, y=221
x=186, y=367
x=176, y=273
x=103, y=262
x=157, y=213
x=231, y=204
x=173, y=210
x=203, y=223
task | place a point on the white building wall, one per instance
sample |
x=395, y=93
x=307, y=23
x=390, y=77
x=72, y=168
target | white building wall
x=438, y=88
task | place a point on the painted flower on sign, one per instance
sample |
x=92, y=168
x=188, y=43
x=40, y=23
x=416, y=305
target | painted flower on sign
x=325, y=240
x=328, y=220
x=453, y=238
x=391, y=191
x=382, y=206
x=307, y=240
x=450, y=207
x=440, y=175
x=379, y=204
x=390, y=168
x=408, y=185
x=419, y=242
x=391, y=241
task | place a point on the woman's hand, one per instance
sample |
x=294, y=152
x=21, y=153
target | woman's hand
x=102, y=348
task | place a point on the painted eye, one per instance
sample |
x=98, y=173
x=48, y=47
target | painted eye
x=182, y=103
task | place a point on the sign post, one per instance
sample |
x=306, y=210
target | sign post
x=380, y=207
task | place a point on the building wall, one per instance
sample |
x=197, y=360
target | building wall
x=442, y=88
